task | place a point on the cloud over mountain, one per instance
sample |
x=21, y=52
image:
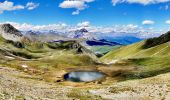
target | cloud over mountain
x=84, y=24
x=130, y=29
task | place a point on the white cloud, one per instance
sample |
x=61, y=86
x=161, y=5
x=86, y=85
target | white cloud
x=73, y=4
x=148, y=22
x=114, y=2
x=76, y=4
x=131, y=26
x=27, y=27
x=143, y=2
x=87, y=0
x=76, y=12
x=31, y=5
x=84, y=24
x=115, y=30
x=167, y=22
x=9, y=6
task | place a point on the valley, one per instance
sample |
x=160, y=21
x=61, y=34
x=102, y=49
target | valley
x=61, y=69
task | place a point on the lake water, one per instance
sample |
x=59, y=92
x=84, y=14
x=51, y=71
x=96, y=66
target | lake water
x=83, y=76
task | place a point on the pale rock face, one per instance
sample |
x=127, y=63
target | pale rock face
x=8, y=32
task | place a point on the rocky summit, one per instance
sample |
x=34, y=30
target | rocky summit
x=10, y=33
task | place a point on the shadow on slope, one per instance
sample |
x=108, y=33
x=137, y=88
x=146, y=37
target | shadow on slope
x=157, y=40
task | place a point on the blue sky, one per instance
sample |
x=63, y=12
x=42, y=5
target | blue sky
x=98, y=12
x=142, y=13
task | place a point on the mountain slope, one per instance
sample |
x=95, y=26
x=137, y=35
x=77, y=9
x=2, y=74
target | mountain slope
x=149, y=48
x=31, y=50
x=149, y=59
x=123, y=52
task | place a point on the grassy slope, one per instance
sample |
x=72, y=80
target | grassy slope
x=136, y=51
x=150, y=66
x=46, y=51
x=103, y=49
x=153, y=47
x=123, y=52
x=150, y=62
x=42, y=58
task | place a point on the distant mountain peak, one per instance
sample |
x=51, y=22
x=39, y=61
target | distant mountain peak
x=80, y=34
x=83, y=30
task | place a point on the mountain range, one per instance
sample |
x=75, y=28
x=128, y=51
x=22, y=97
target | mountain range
x=81, y=34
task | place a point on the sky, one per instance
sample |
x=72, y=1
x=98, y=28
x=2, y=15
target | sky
x=148, y=15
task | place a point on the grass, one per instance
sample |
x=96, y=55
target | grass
x=1, y=39
x=103, y=49
x=136, y=51
x=153, y=47
x=123, y=52
x=149, y=67
x=54, y=62
x=149, y=61
x=44, y=60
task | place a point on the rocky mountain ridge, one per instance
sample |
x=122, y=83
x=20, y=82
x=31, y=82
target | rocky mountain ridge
x=10, y=33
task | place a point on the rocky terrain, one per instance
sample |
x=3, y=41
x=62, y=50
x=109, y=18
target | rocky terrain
x=155, y=88
x=17, y=85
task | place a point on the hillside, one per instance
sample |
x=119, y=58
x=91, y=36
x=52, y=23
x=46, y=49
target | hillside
x=38, y=50
x=151, y=58
x=153, y=47
x=44, y=57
